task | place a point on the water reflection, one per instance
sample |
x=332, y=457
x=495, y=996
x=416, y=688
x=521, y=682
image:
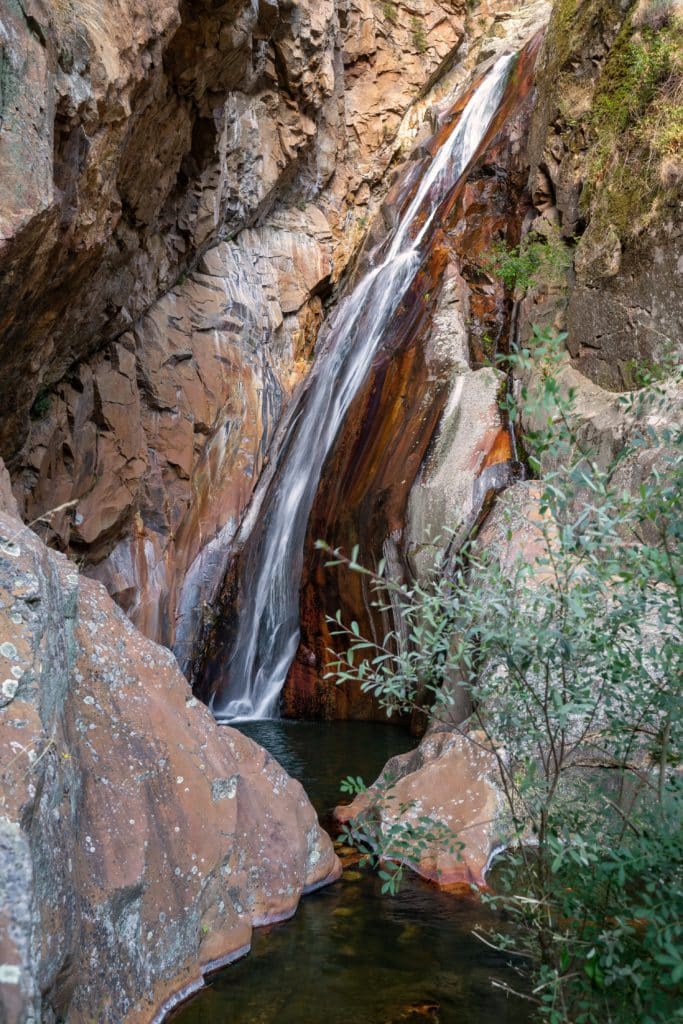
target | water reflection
x=321, y=754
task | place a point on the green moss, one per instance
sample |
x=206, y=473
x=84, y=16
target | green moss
x=639, y=72
x=634, y=127
x=621, y=116
x=574, y=24
x=41, y=404
x=566, y=74
x=488, y=347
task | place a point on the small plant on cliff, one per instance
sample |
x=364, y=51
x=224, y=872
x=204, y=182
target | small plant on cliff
x=419, y=35
x=41, y=404
x=537, y=261
x=642, y=373
x=390, y=12
x=571, y=657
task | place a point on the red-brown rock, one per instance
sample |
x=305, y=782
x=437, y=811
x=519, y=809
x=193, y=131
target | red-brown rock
x=426, y=425
x=449, y=779
x=139, y=842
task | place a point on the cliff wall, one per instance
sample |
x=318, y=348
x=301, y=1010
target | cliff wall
x=604, y=204
x=199, y=178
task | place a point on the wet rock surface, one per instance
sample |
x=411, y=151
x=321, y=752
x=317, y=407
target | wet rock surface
x=413, y=454
x=139, y=842
x=157, y=442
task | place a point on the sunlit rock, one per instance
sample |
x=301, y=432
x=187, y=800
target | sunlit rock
x=448, y=781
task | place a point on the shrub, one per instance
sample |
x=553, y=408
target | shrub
x=572, y=661
x=536, y=261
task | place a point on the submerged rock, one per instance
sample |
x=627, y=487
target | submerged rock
x=139, y=842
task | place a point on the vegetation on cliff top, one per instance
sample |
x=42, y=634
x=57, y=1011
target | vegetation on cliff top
x=621, y=114
x=635, y=125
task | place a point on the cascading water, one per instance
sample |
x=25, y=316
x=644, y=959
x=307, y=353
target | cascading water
x=268, y=627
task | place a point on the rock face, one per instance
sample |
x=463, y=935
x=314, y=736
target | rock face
x=139, y=843
x=412, y=455
x=158, y=440
x=617, y=198
x=148, y=135
x=619, y=302
x=225, y=161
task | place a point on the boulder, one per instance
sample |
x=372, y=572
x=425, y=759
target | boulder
x=139, y=842
x=449, y=779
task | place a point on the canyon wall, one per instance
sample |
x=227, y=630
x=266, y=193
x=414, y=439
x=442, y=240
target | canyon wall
x=149, y=134
x=185, y=186
x=606, y=223
x=604, y=205
x=200, y=177
x=431, y=372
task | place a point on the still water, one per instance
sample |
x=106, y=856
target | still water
x=350, y=955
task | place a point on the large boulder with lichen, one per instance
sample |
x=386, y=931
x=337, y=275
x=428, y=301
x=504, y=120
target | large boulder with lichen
x=139, y=842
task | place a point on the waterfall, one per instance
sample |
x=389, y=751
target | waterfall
x=268, y=626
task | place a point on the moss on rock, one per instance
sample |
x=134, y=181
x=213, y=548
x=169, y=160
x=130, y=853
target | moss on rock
x=635, y=129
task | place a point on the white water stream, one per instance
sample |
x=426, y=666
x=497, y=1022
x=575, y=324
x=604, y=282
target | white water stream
x=268, y=627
